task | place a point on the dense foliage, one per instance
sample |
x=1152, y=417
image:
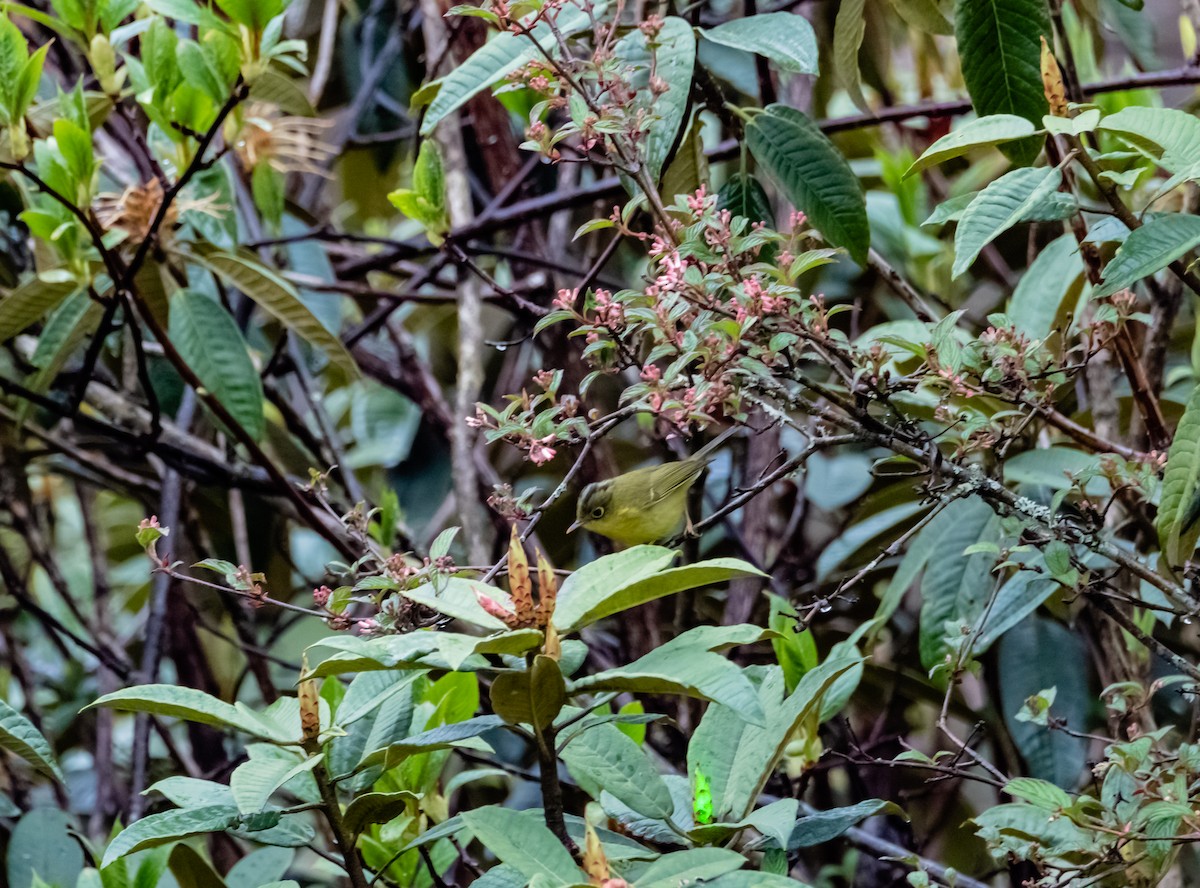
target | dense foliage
x=316, y=318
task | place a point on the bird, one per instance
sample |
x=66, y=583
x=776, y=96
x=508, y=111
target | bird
x=646, y=505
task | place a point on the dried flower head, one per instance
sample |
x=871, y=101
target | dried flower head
x=289, y=144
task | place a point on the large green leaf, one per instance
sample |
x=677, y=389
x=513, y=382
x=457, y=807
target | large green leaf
x=377, y=807
x=737, y=757
x=688, y=169
x=1000, y=206
x=455, y=597
x=1170, y=135
x=743, y=195
x=169, y=826
x=651, y=828
x=1178, y=521
x=194, y=705
x=269, y=768
x=499, y=57
x=532, y=696
x=586, y=604
x=849, y=28
x=369, y=691
x=605, y=758
x=786, y=38
x=192, y=792
x=687, y=867
x=19, y=736
x=41, y=846
x=389, y=723
x=1000, y=45
x=596, y=580
x=32, y=301
x=530, y=848
x=278, y=298
x=1020, y=596
x=925, y=15
x=824, y=826
x=208, y=338
x=748, y=878
x=814, y=176
x=260, y=868
x=955, y=587
x=64, y=331
x=995, y=129
x=1047, y=292
x=464, y=733
x=1023, y=671
x=1150, y=249
x=673, y=60
x=688, y=665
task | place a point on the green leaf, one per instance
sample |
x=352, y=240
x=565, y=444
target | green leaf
x=532, y=848
x=686, y=665
x=687, y=867
x=824, y=826
x=996, y=129
x=585, y=602
x=1024, y=670
x=1150, y=249
x=20, y=737
x=281, y=91
x=784, y=38
x=260, y=868
x=606, y=758
x=738, y=758
x=455, y=597
x=1000, y=45
x=688, y=169
x=369, y=691
x=744, y=196
x=197, y=71
x=956, y=588
x=1178, y=520
x=499, y=57
x=813, y=175
x=532, y=697
x=1167, y=134
x=42, y=847
x=848, y=30
x=376, y=807
x=32, y=301
x=194, y=705
x=192, y=792
x=169, y=826
x=278, y=297
x=186, y=11
x=674, y=60
x=1041, y=793
x=1018, y=598
x=924, y=15
x=746, y=878
x=254, y=782
x=208, y=338
x=1000, y=206
x=1046, y=294
x=462, y=733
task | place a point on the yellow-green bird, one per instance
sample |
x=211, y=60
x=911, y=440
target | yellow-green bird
x=646, y=505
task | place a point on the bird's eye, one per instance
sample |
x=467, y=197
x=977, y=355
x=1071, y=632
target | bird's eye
x=598, y=512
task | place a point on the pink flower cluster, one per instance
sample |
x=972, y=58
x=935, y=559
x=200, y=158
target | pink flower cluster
x=609, y=312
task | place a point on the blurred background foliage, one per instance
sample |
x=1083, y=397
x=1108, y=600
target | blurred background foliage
x=98, y=430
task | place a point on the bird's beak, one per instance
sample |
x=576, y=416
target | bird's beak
x=574, y=527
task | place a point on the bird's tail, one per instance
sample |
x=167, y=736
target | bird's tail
x=706, y=452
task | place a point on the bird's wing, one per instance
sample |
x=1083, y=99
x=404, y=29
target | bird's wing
x=673, y=477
